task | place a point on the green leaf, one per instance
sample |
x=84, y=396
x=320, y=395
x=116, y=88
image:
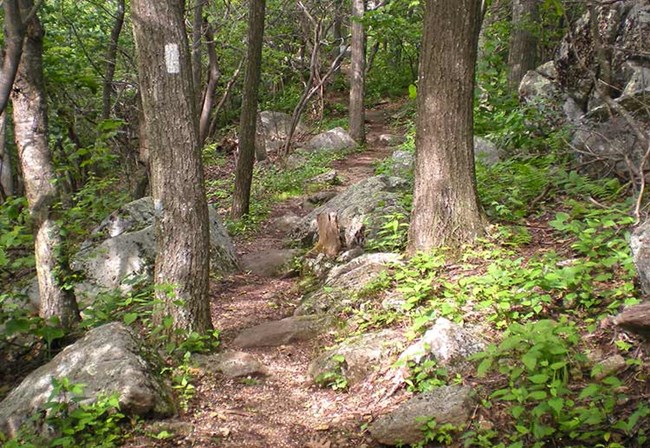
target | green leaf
x=538, y=395
x=516, y=411
x=129, y=318
x=413, y=91
x=484, y=367
x=540, y=378
x=556, y=403
x=530, y=360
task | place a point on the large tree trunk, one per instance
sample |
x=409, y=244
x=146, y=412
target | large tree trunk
x=445, y=206
x=523, y=41
x=181, y=214
x=111, y=58
x=248, y=120
x=30, y=129
x=357, y=75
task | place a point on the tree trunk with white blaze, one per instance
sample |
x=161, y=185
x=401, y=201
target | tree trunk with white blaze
x=357, y=75
x=30, y=129
x=177, y=185
x=445, y=204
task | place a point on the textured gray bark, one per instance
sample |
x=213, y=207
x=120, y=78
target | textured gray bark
x=6, y=164
x=248, y=120
x=14, y=30
x=30, y=129
x=171, y=126
x=445, y=205
x=523, y=41
x=357, y=74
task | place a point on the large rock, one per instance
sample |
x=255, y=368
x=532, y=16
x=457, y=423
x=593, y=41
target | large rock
x=336, y=139
x=109, y=359
x=364, y=204
x=403, y=426
x=446, y=342
x=343, y=282
x=609, y=148
x=540, y=84
x=402, y=163
x=285, y=331
x=275, y=129
x=356, y=358
x=123, y=247
x=624, y=31
x=640, y=245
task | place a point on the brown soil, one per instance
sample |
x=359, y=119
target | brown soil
x=283, y=409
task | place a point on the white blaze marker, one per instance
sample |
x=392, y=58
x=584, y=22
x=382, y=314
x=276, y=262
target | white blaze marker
x=172, y=58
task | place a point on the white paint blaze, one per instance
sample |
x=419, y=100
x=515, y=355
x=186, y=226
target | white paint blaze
x=172, y=58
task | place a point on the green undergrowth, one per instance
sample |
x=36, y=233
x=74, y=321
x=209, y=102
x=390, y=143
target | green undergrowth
x=551, y=268
x=273, y=183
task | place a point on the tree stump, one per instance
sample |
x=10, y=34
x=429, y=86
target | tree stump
x=635, y=319
x=329, y=234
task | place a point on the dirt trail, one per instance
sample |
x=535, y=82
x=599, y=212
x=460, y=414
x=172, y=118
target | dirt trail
x=283, y=409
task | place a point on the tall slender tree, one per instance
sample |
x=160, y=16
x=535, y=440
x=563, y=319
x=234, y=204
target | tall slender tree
x=357, y=74
x=248, y=120
x=446, y=212
x=30, y=129
x=522, y=55
x=171, y=125
x=111, y=57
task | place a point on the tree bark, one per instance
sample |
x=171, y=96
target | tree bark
x=197, y=32
x=213, y=80
x=111, y=58
x=14, y=30
x=177, y=185
x=30, y=129
x=357, y=74
x=6, y=164
x=445, y=205
x=248, y=120
x=523, y=41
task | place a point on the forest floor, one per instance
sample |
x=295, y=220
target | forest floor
x=283, y=409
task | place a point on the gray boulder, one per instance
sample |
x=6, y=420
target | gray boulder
x=446, y=342
x=336, y=139
x=364, y=204
x=540, y=84
x=485, y=151
x=403, y=426
x=402, y=163
x=609, y=148
x=362, y=355
x=285, y=331
x=343, y=282
x=640, y=245
x=275, y=129
x=108, y=359
x=231, y=364
x=123, y=247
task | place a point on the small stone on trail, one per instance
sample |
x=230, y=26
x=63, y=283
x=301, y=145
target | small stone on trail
x=270, y=262
x=231, y=364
